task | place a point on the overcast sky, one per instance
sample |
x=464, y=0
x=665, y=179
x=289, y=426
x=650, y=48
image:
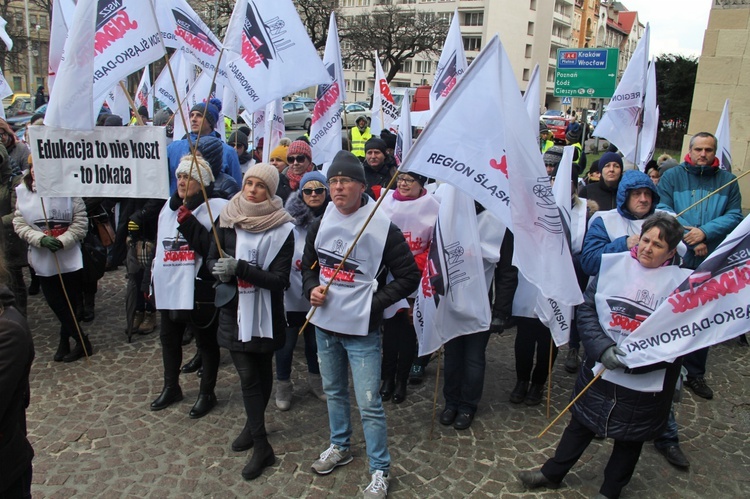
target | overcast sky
x=677, y=26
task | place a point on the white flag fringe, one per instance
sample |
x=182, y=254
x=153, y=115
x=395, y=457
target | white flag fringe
x=452, y=297
x=619, y=125
x=450, y=67
x=273, y=127
x=325, y=132
x=709, y=307
x=384, y=110
x=724, y=139
x=268, y=53
x=504, y=158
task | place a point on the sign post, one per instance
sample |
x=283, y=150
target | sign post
x=586, y=73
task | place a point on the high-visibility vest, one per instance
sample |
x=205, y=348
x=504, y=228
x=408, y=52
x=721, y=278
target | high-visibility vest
x=547, y=144
x=358, y=141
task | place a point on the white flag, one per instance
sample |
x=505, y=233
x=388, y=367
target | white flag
x=184, y=30
x=647, y=137
x=531, y=99
x=619, y=125
x=144, y=95
x=325, y=132
x=164, y=89
x=268, y=52
x=452, y=297
x=384, y=110
x=4, y=35
x=709, y=307
x=504, y=158
x=723, y=140
x=118, y=103
x=5, y=91
x=451, y=66
x=62, y=17
x=273, y=127
x=229, y=103
x=257, y=122
x=403, y=138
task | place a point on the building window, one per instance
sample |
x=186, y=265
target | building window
x=445, y=17
x=528, y=51
x=424, y=67
x=472, y=43
x=17, y=84
x=354, y=3
x=526, y=74
x=32, y=20
x=473, y=19
x=530, y=29
x=406, y=66
x=359, y=86
x=532, y=5
x=43, y=21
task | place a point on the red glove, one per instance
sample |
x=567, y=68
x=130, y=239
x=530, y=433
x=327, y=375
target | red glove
x=183, y=213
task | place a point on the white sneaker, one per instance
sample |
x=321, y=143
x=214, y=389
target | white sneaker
x=378, y=488
x=331, y=458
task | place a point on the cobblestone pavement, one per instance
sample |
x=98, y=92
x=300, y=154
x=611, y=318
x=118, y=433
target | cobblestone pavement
x=94, y=434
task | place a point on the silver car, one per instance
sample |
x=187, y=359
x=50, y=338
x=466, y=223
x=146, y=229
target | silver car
x=296, y=114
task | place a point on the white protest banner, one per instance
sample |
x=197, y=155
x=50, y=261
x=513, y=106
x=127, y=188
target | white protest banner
x=123, y=162
x=62, y=17
x=709, y=307
x=384, y=110
x=452, y=297
x=325, y=131
x=504, y=158
x=619, y=125
x=268, y=53
x=5, y=91
x=4, y=35
x=451, y=66
x=184, y=30
x=650, y=120
x=531, y=99
x=273, y=127
x=403, y=138
x=723, y=140
x=144, y=95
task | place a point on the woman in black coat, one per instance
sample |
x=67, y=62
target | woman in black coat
x=257, y=243
x=628, y=416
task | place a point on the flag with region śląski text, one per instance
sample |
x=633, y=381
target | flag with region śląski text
x=709, y=307
x=452, y=297
x=325, y=131
x=503, y=159
x=268, y=53
x=384, y=111
x=451, y=66
x=144, y=95
x=273, y=128
x=723, y=140
x=403, y=137
x=164, y=90
x=619, y=125
x=184, y=30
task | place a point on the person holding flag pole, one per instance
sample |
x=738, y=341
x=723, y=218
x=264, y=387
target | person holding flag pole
x=630, y=406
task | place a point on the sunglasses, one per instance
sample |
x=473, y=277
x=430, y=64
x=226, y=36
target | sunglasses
x=318, y=190
x=300, y=158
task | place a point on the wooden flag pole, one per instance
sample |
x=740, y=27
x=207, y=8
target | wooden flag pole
x=567, y=408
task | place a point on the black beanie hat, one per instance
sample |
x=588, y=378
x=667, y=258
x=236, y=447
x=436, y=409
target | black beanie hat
x=376, y=143
x=348, y=165
x=113, y=120
x=389, y=138
x=574, y=133
x=552, y=156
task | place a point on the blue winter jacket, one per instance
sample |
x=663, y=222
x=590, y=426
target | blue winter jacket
x=717, y=216
x=178, y=148
x=598, y=241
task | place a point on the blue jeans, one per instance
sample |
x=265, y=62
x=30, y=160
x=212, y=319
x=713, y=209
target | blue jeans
x=362, y=353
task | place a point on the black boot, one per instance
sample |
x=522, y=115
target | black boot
x=399, y=393
x=34, y=286
x=193, y=364
x=169, y=395
x=386, y=389
x=88, y=306
x=63, y=349
x=244, y=440
x=78, y=350
x=263, y=457
x=204, y=404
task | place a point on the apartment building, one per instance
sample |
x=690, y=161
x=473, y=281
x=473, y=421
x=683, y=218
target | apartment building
x=25, y=66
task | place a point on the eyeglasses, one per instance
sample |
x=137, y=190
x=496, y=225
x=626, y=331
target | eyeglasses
x=318, y=190
x=405, y=180
x=300, y=158
x=343, y=181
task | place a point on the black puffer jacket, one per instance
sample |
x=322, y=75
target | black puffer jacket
x=275, y=279
x=397, y=259
x=611, y=410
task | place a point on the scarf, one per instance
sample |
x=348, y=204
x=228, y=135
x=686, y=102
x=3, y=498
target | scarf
x=253, y=217
x=400, y=197
x=689, y=161
x=294, y=179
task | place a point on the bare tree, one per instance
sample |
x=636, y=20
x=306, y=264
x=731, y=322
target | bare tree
x=13, y=61
x=397, y=33
x=315, y=15
x=45, y=5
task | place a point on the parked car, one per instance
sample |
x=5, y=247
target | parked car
x=352, y=112
x=307, y=101
x=19, y=121
x=21, y=105
x=557, y=126
x=296, y=114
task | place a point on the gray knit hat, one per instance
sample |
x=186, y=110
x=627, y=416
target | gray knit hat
x=347, y=164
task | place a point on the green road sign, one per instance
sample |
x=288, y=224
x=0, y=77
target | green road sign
x=589, y=73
